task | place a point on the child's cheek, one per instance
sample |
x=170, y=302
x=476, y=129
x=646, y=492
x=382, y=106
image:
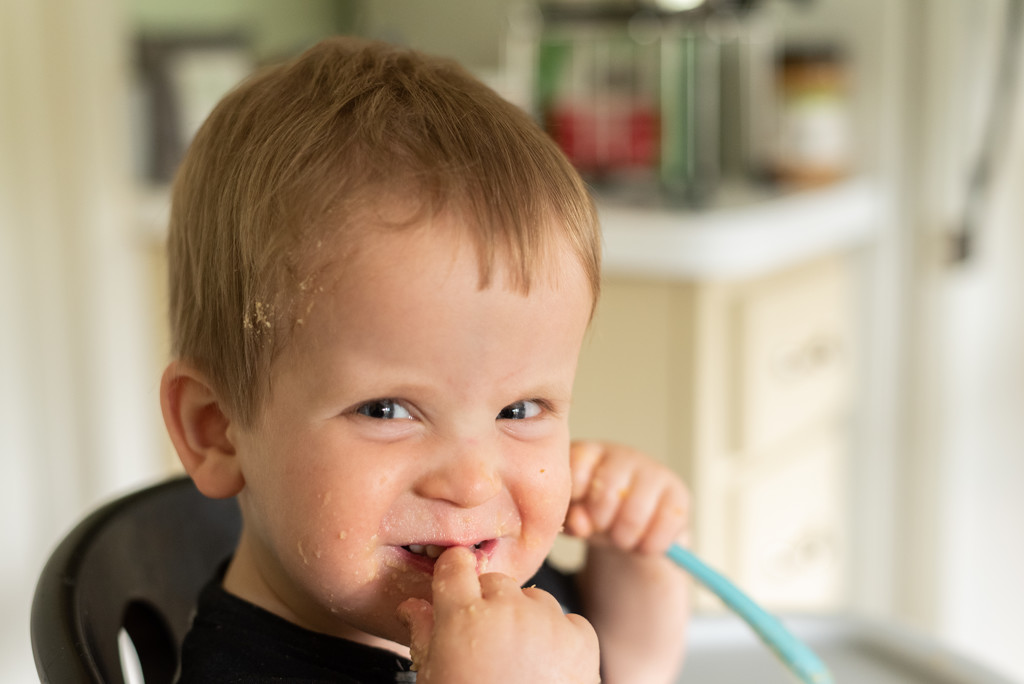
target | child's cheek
x=341, y=572
x=543, y=506
x=332, y=547
x=554, y=490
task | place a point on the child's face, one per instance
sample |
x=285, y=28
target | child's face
x=411, y=411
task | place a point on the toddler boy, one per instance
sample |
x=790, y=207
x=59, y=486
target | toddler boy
x=381, y=277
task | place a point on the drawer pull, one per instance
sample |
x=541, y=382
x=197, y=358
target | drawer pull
x=807, y=359
x=810, y=550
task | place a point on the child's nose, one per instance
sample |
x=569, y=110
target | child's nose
x=465, y=475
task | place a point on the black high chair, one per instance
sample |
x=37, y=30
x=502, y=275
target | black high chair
x=138, y=564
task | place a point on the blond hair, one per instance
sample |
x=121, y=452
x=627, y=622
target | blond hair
x=294, y=154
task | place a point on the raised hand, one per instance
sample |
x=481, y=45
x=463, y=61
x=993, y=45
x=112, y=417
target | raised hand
x=624, y=498
x=630, y=508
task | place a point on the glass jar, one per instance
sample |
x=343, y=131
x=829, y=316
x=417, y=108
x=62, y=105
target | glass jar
x=814, y=138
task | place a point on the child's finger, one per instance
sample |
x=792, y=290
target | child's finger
x=418, y=616
x=455, y=582
x=637, y=511
x=670, y=524
x=609, y=487
x=495, y=585
x=577, y=521
x=583, y=459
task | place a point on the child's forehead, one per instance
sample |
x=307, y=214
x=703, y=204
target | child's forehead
x=389, y=279
x=450, y=233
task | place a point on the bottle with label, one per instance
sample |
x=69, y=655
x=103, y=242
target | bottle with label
x=814, y=139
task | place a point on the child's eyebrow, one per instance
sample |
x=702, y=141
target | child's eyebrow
x=556, y=397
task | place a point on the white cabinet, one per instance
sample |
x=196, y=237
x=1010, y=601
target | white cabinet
x=791, y=339
x=744, y=386
x=789, y=524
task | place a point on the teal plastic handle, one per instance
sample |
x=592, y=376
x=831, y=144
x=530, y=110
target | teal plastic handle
x=796, y=655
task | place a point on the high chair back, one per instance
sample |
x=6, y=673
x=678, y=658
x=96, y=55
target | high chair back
x=137, y=564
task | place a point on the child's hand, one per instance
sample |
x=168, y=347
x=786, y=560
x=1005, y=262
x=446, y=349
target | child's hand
x=624, y=498
x=630, y=508
x=488, y=629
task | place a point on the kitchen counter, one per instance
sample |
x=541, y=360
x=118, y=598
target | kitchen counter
x=723, y=650
x=743, y=237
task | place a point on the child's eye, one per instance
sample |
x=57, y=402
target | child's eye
x=519, y=411
x=384, y=409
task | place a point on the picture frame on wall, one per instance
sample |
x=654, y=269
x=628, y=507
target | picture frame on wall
x=180, y=79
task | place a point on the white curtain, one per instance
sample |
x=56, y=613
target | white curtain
x=78, y=412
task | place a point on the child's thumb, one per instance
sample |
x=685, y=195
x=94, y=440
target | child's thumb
x=578, y=522
x=418, y=616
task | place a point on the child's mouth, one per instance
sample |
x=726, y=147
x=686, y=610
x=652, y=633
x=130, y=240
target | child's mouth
x=432, y=551
x=423, y=556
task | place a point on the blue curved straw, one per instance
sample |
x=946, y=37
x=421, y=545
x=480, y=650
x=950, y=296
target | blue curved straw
x=800, y=659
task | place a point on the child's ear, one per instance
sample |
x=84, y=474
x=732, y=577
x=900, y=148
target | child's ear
x=199, y=430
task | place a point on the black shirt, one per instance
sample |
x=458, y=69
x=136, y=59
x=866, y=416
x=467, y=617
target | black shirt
x=232, y=640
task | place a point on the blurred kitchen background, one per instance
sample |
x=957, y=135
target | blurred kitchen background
x=814, y=300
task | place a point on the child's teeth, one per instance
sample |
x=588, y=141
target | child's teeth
x=428, y=550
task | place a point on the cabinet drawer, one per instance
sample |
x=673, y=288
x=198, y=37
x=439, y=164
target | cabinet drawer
x=790, y=541
x=792, y=354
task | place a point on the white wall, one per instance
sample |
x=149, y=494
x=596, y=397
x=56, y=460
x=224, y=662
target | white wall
x=968, y=468
x=982, y=424
x=467, y=30
x=78, y=412
x=981, y=419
